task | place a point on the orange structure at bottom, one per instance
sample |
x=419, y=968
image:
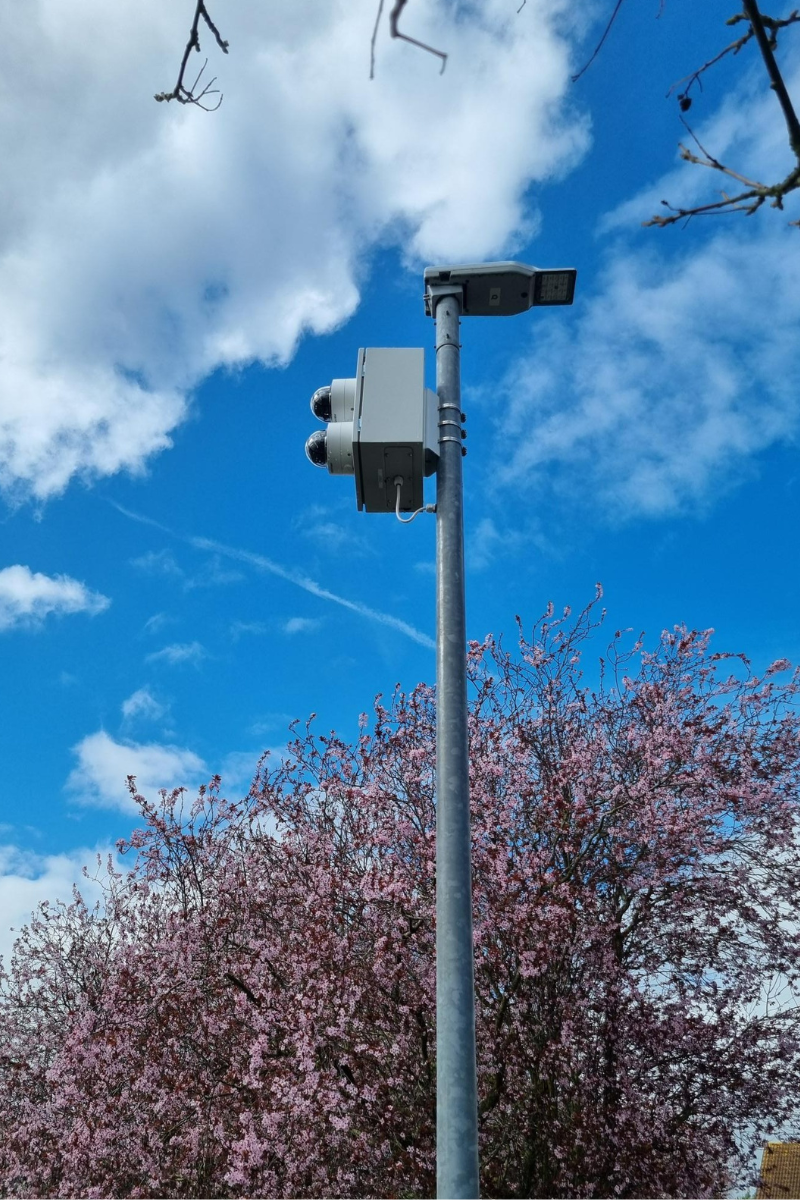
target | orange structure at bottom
x=780, y=1171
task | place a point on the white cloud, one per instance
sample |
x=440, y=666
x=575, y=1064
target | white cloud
x=179, y=652
x=27, y=878
x=336, y=539
x=144, y=245
x=27, y=597
x=268, y=723
x=301, y=625
x=680, y=367
x=673, y=377
x=99, y=779
x=142, y=705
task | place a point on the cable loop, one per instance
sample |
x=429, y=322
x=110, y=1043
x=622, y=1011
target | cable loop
x=407, y=520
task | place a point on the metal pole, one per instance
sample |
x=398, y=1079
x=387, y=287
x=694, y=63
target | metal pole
x=456, y=1082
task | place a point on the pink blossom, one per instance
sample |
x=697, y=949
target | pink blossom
x=248, y=1014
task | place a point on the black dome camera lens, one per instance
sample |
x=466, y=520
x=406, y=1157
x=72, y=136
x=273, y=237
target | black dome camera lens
x=317, y=448
x=321, y=403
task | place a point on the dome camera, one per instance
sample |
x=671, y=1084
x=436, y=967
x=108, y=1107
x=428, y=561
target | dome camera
x=321, y=404
x=317, y=444
x=332, y=448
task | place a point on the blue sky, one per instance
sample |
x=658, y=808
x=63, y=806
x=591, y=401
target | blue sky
x=177, y=583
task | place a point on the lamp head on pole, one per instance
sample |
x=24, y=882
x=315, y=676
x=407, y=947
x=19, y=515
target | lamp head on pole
x=499, y=289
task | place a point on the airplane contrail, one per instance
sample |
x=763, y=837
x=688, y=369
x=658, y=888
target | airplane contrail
x=263, y=563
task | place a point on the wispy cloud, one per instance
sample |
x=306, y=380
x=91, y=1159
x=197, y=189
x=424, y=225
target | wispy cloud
x=156, y=622
x=673, y=377
x=159, y=562
x=27, y=597
x=667, y=382
x=240, y=629
x=143, y=706
x=315, y=589
x=301, y=625
x=179, y=652
x=214, y=574
x=163, y=562
x=262, y=563
x=334, y=537
x=238, y=769
x=485, y=542
x=268, y=724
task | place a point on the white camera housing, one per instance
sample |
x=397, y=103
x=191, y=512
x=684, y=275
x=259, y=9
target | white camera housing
x=381, y=426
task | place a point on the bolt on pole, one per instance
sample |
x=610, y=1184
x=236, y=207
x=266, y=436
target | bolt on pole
x=456, y=1080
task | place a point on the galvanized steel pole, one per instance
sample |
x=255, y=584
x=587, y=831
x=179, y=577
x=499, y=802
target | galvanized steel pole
x=456, y=1083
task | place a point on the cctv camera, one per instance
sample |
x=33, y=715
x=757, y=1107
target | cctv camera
x=332, y=448
x=317, y=447
x=321, y=404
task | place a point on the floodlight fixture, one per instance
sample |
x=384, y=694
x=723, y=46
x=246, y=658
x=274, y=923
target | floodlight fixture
x=500, y=289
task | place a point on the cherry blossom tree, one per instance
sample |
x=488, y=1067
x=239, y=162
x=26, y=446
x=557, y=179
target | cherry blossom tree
x=251, y=1009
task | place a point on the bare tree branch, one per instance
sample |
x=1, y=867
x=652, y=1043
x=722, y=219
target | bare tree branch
x=190, y=95
x=374, y=38
x=734, y=48
x=748, y=201
x=708, y=160
x=756, y=194
x=242, y=986
x=599, y=45
x=775, y=77
x=394, y=17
